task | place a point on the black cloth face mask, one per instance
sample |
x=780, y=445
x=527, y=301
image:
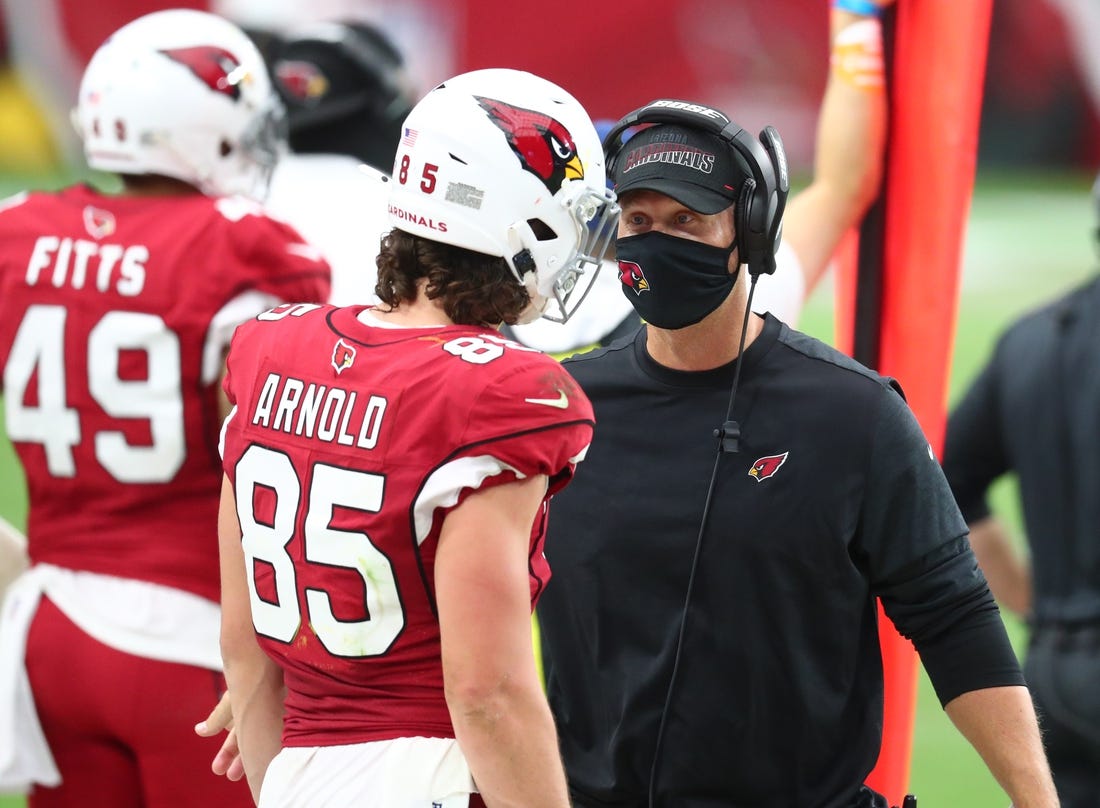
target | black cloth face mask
x=673, y=282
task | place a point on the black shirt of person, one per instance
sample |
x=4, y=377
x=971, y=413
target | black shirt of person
x=778, y=697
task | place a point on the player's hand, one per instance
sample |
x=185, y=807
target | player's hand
x=228, y=760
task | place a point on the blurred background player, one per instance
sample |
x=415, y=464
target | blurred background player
x=1032, y=412
x=378, y=578
x=848, y=164
x=346, y=93
x=116, y=312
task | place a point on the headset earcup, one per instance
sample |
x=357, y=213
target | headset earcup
x=747, y=241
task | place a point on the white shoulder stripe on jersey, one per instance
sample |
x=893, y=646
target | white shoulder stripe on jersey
x=221, y=434
x=307, y=251
x=14, y=201
x=443, y=486
x=243, y=307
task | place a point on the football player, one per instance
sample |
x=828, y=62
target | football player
x=115, y=313
x=387, y=482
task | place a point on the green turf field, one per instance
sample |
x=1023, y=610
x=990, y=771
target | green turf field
x=1028, y=240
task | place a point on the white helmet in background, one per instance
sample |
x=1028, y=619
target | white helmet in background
x=184, y=94
x=508, y=164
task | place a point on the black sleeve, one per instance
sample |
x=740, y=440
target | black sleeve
x=907, y=510
x=915, y=548
x=974, y=453
x=943, y=604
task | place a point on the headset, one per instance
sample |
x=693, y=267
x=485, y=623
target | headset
x=758, y=214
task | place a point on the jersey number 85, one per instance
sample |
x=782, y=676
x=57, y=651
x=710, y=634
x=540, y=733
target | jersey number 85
x=331, y=487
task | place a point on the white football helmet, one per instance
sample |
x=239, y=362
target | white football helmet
x=505, y=163
x=185, y=94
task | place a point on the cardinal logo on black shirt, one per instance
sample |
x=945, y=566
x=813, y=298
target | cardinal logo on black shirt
x=765, y=467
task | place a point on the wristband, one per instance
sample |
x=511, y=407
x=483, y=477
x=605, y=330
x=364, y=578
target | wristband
x=856, y=56
x=864, y=8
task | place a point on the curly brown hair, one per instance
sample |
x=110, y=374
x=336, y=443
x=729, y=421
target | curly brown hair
x=475, y=289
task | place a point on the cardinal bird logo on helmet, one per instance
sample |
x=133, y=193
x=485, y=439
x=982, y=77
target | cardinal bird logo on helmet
x=543, y=145
x=216, y=67
x=765, y=467
x=632, y=276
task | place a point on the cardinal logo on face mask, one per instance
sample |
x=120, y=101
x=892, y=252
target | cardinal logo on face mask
x=631, y=275
x=765, y=467
x=686, y=279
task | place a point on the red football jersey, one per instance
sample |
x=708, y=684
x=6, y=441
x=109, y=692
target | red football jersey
x=346, y=453
x=110, y=310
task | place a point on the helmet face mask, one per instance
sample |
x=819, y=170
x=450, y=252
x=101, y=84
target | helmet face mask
x=182, y=94
x=596, y=216
x=507, y=164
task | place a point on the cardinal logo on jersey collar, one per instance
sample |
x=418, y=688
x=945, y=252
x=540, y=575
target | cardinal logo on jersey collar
x=343, y=356
x=98, y=222
x=764, y=467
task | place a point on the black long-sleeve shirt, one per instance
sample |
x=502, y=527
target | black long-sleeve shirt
x=778, y=698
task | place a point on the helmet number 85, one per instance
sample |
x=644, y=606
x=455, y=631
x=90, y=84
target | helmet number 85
x=427, y=182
